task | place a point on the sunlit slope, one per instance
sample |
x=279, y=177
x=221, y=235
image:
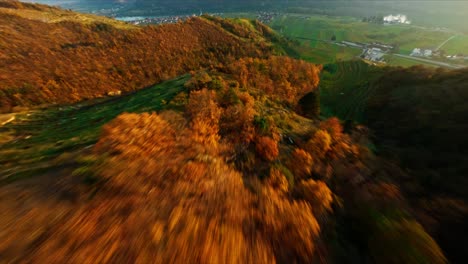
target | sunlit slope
x=53, y=56
x=33, y=141
x=48, y=14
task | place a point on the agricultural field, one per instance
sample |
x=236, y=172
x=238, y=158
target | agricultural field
x=316, y=34
x=459, y=44
x=323, y=52
x=37, y=141
x=407, y=37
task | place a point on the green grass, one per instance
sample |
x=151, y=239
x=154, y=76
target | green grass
x=323, y=53
x=319, y=30
x=352, y=29
x=345, y=88
x=41, y=136
x=404, y=62
x=459, y=44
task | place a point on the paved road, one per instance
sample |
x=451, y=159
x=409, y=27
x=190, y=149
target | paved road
x=438, y=63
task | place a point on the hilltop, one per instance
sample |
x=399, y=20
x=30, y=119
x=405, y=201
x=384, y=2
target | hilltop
x=71, y=57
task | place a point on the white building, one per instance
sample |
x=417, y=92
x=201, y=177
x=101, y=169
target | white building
x=396, y=19
x=416, y=52
x=428, y=53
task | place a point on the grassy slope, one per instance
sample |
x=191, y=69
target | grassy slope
x=345, y=88
x=36, y=138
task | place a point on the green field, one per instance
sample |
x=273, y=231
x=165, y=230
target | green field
x=407, y=37
x=404, y=62
x=459, y=44
x=345, y=87
x=322, y=52
x=315, y=32
x=32, y=143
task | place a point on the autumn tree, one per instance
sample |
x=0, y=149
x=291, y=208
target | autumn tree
x=319, y=144
x=301, y=163
x=205, y=114
x=267, y=148
x=317, y=194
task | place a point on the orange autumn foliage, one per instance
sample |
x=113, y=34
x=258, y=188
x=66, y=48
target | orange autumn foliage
x=204, y=113
x=332, y=126
x=301, y=163
x=267, y=148
x=278, y=181
x=237, y=120
x=165, y=200
x=281, y=78
x=317, y=194
x=82, y=60
x=319, y=144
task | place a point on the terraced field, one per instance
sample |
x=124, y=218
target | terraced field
x=39, y=141
x=345, y=88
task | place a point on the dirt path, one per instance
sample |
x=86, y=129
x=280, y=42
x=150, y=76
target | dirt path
x=445, y=42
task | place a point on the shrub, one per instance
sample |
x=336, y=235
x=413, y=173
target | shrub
x=267, y=148
x=319, y=144
x=316, y=193
x=301, y=163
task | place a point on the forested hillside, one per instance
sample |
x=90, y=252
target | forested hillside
x=70, y=57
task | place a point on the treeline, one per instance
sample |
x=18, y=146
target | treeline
x=44, y=62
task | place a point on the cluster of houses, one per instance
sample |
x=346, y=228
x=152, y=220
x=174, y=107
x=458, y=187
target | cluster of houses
x=373, y=54
x=417, y=52
x=457, y=57
x=154, y=20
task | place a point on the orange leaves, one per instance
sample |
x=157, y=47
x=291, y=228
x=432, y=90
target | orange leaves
x=301, y=163
x=237, y=120
x=186, y=204
x=267, y=148
x=282, y=78
x=319, y=144
x=205, y=114
x=277, y=180
x=317, y=194
x=291, y=227
x=87, y=63
x=333, y=127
